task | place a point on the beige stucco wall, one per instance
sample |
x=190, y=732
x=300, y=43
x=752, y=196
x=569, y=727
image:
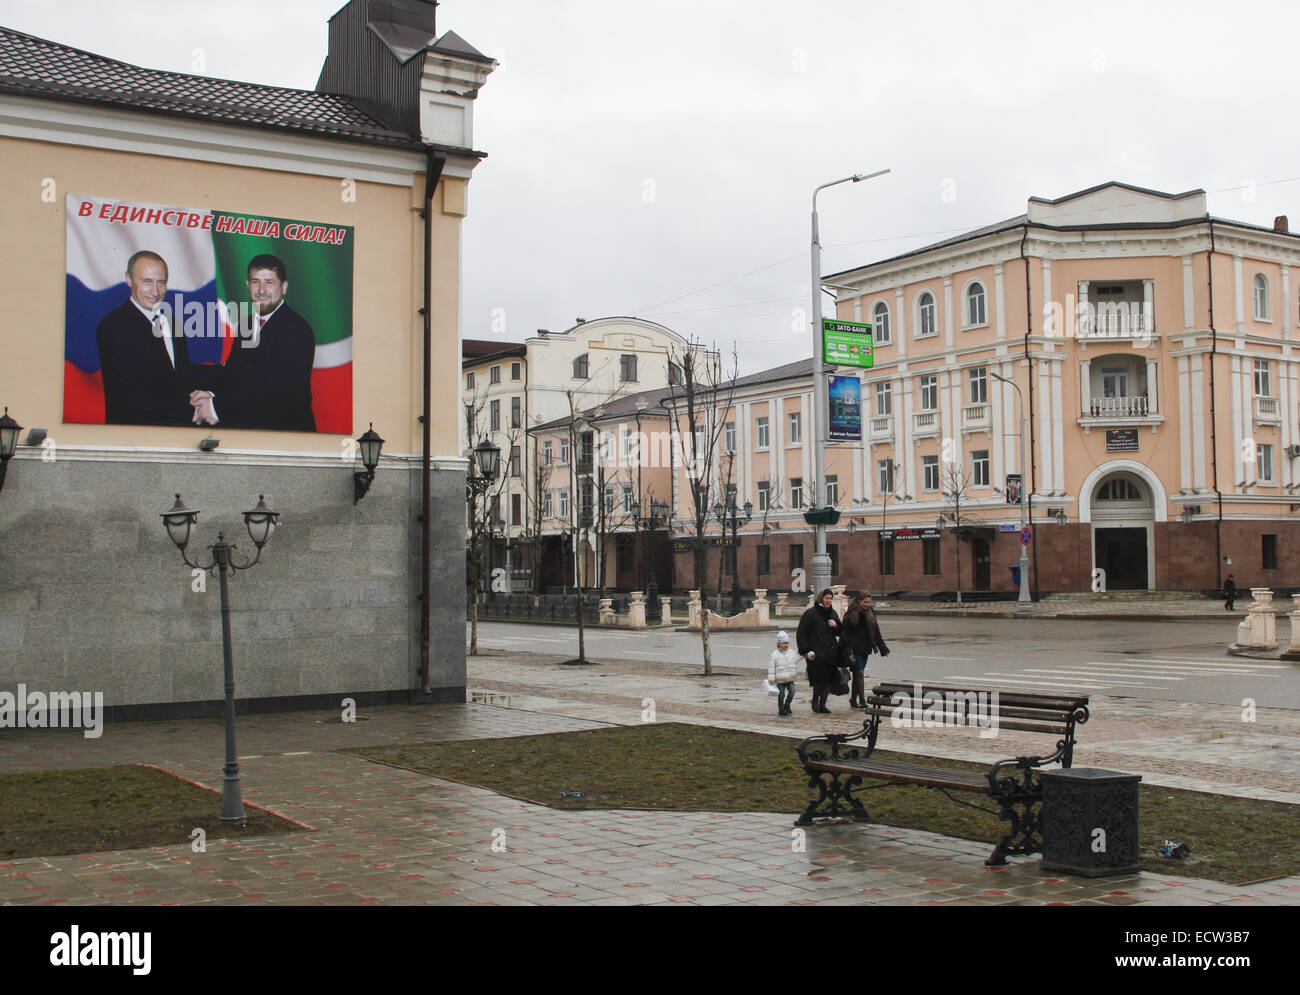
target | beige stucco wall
x=388, y=287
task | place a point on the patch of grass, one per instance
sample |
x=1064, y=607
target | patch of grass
x=700, y=768
x=113, y=808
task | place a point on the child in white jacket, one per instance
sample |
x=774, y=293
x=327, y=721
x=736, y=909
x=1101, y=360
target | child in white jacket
x=782, y=667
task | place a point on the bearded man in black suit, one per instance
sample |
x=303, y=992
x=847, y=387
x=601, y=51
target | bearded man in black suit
x=148, y=376
x=266, y=382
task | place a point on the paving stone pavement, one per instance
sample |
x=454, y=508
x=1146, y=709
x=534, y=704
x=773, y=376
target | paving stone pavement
x=382, y=835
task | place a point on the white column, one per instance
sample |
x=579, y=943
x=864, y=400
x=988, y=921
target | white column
x=903, y=452
x=1045, y=461
x=947, y=311
x=854, y=488
x=1047, y=285
x=1238, y=297
x=747, y=491
x=1284, y=409
x=900, y=323
x=1184, y=427
x=1082, y=316
x=1152, y=397
x=1058, y=427
x=1149, y=310
x=857, y=309
x=1248, y=411
x=998, y=421
x=1235, y=464
x=776, y=414
x=1012, y=409
x=1085, y=386
x=1189, y=298
x=1000, y=297
x=1286, y=302
x=811, y=496
x=1196, y=390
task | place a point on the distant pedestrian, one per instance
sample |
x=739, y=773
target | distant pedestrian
x=862, y=634
x=818, y=638
x=782, y=668
x=1230, y=589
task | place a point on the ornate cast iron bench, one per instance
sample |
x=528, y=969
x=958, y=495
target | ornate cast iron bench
x=837, y=763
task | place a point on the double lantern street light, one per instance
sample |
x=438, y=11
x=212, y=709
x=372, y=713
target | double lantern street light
x=731, y=516
x=658, y=516
x=261, y=522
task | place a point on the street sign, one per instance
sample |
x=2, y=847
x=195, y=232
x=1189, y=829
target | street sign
x=1008, y=527
x=846, y=343
x=1026, y=536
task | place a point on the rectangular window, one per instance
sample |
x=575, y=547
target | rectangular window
x=832, y=489
x=886, y=476
x=627, y=367
x=796, y=492
x=886, y=551
x=564, y=452
x=796, y=558
x=764, y=495
x=548, y=504
x=833, y=551
x=979, y=468
x=516, y=509
x=929, y=393
x=580, y=367
x=884, y=399
x=627, y=496
x=564, y=503
x=730, y=565
x=1270, y=551
x=514, y=461
x=496, y=416
x=930, y=473
x=548, y=455
x=494, y=375
x=930, y=550
x=764, y=560
x=796, y=428
x=609, y=500
x=1264, y=457
x=1263, y=380
x=515, y=371
x=761, y=433
x=979, y=386
x=469, y=381
x=729, y=437
x=516, y=412
x=626, y=554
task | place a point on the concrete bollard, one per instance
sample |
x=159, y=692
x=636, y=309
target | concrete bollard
x=636, y=611
x=1258, y=630
x=762, y=607
x=693, y=610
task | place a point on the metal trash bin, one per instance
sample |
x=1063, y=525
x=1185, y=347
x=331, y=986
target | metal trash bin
x=1089, y=821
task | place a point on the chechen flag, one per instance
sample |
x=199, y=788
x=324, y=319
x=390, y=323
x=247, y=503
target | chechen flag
x=207, y=254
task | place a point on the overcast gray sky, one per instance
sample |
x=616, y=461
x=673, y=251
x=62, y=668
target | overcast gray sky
x=645, y=156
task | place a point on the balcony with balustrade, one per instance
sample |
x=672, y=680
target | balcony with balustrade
x=925, y=424
x=1118, y=390
x=1268, y=410
x=881, y=428
x=975, y=418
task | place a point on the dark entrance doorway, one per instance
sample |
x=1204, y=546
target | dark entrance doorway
x=1122, y=553
x=979, y=548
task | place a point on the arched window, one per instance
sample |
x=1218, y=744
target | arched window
x=880, y=323
x=925, y=314
x=976, y=312
x=1261, y=297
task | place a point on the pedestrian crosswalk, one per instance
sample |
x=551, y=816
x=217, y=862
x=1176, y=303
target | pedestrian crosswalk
x=1124, y=673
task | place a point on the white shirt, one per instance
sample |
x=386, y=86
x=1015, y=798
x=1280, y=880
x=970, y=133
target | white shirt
x=161, y=328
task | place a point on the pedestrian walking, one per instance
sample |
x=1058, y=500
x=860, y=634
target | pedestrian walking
x=862, y=635
x=818, y=639
x=1230, y=589
x=782, y=668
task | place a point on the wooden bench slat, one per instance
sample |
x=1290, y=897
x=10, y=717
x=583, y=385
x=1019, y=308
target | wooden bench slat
x=908, y=773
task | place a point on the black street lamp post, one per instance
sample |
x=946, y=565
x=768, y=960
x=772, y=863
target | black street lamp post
x=261, y=522
x=658, y=516
x=731, y=515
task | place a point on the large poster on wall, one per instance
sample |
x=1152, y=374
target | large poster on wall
x=190, y=316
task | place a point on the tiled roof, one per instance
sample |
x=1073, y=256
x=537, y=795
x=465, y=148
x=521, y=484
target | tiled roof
x=34, y=67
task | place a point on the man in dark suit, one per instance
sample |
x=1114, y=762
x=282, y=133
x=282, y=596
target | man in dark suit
x=146, y=368
x=266, y=383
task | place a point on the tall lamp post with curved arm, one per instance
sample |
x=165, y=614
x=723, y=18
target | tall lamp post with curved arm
x=261, y=522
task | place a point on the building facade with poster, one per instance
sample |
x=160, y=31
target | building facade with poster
x=222, y=285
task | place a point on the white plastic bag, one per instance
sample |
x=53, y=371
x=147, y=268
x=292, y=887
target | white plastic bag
x=769, y=687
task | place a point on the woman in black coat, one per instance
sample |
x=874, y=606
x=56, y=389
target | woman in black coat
x=818, y=642
x=862, y=635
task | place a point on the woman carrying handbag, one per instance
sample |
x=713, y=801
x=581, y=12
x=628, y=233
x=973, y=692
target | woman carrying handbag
x=861, y=636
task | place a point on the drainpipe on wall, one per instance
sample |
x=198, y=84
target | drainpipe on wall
x=1029, y=415
x=434, y=162
x=1214, y=435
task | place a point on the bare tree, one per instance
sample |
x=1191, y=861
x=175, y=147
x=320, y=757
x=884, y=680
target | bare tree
x=958, y=509
x=702, y=395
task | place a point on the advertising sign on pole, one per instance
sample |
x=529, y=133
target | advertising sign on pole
x=846, y=343
x=845, y=397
